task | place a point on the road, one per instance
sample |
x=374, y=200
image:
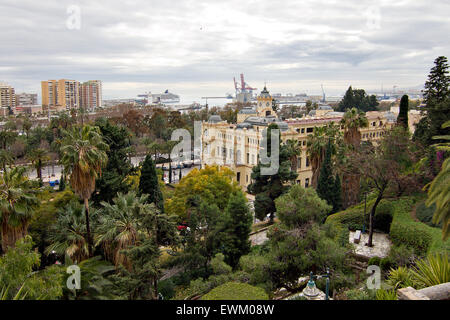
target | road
x=53, y=172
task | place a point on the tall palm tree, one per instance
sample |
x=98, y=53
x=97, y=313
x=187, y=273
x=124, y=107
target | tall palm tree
x=38, y=158
x=295, y=150
x=352, y=121
x=316, y=147
x=68, y=234
x=6, y=158
x=83, y=156
x=439, y=188
x=121, y=225
x=17, y=201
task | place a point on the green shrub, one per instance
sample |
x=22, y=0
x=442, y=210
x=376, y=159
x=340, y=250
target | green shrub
x=359, y=294
x=386, y=264
x=236, y=291
x=338, y=281
x=166, y=288
x=402, y=256
x=219, y=266
x=374, y=261
x=383, y=216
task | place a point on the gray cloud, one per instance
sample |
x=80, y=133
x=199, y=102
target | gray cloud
x=196, y=47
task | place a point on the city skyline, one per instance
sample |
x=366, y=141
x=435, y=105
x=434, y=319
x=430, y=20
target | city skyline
x=195, y=49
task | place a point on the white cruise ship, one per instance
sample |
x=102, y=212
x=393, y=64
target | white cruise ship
x=159, y=98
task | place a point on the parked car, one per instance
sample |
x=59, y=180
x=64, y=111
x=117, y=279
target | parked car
x=182, y=226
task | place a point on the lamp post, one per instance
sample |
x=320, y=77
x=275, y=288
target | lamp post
x=311, y=290
x=364, y=218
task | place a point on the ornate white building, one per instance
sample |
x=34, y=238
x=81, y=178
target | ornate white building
x=237, y=145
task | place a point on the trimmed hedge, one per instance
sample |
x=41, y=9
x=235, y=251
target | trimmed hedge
x=236, y=291
x=404, y=230
x=353, y=217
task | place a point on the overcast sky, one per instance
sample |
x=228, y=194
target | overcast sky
x=194, y=48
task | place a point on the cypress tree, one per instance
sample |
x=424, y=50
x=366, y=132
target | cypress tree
x=402, y=118
x=149, y=184
x=62, y=184
x=337, y=194
x=326, y=183
x=237, y=229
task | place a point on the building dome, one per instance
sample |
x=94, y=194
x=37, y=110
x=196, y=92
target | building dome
x=214, y=118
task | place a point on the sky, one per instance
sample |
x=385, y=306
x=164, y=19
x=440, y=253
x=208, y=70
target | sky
x=195, y=48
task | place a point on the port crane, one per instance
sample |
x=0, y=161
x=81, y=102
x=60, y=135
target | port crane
x=245, y=87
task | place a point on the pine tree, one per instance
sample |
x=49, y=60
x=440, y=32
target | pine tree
x=402, y=118
x=357, y=98
x=348, y=101
x=267, y=188
x=437, y=100
x=113, y=179
x=149, y=184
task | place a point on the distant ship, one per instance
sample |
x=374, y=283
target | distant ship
x=159, y=98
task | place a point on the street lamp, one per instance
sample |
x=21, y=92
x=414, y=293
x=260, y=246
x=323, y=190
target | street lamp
x=311, y=290
x=364, y=218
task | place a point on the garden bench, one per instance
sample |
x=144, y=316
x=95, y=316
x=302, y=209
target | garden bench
x=357, y=236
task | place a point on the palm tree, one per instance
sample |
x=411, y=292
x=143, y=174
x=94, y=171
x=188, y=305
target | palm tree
x=121, y=225
x=68, y=234
x=83, y=156
x=6, y=158
x=38, y=158
x=317, y=145
x=352, y=121
x=439, y=189
x=295, y=151
x=17, y=201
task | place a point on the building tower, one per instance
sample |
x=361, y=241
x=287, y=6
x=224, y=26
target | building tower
x=264, y=104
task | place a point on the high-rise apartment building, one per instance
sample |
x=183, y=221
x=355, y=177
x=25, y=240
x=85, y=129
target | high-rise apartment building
x=91, y=94
x=7, y=96
x=26, y=99
x=60, y=94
